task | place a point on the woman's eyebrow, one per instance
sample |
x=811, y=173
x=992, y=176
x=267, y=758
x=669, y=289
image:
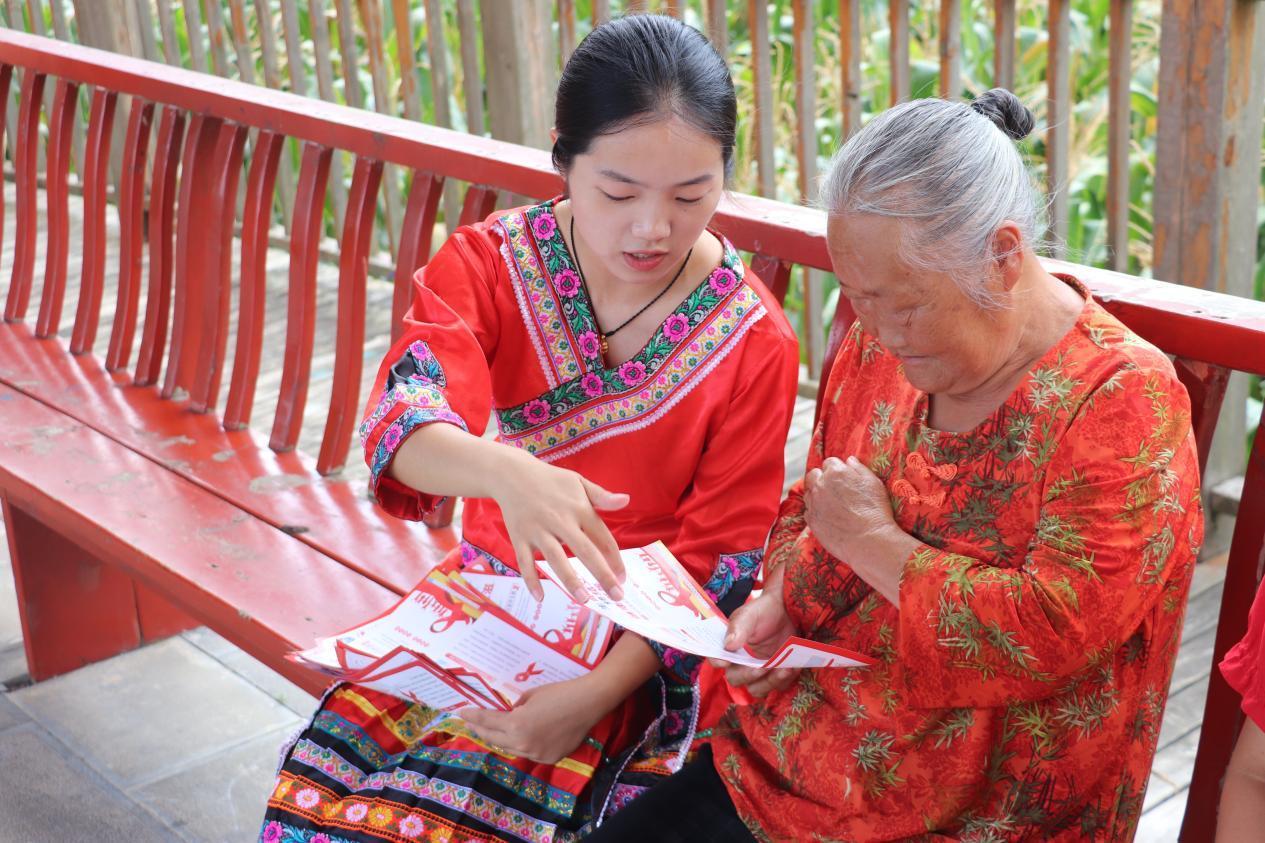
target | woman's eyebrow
x=623, y=179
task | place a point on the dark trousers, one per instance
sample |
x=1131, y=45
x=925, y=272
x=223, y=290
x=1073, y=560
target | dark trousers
x=692, y=805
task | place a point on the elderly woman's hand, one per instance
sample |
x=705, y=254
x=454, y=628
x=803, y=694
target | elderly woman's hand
x=760, y=626
x=848, y=511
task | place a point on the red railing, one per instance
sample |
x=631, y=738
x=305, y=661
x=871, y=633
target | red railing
x=206, y=129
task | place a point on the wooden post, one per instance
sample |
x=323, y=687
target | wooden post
x=112, y=25
x=1118, y=135
x=850, y=65
x=1212, y=69
x=1004, y=44
x=806, y=152
x=762, y=75
x=518, y=49
x=898, y=49
x=1059, y=115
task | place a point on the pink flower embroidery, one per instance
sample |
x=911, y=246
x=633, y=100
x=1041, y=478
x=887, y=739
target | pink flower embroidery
x=536, y=411
x=633, y=372
x=675, y=327
x=589, y=344
x=412, y=826
x=567, y=283
x=307, y=798
x=357, y=811
x=544, y=226
x=592, y=385
x=392, y=437
x=319, y=838
x=272, y=832
x=723, y=281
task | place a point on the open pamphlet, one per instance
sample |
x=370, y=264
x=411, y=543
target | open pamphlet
x=663, y=603
x=477, y=638
x=467, y=639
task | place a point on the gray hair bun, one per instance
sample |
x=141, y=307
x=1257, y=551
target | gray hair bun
x=1006, y=111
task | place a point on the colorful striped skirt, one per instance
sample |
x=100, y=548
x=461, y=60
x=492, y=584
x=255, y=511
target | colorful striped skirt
x=369, y=766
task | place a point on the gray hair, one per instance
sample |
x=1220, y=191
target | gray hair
x=951, y=173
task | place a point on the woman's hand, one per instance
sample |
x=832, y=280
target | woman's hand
x=761, y=626
x=848, y=511
x=546, y=725
x=545, y=508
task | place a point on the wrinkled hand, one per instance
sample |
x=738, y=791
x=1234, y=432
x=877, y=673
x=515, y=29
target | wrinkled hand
x=846, y=505
x=545, y=508
x=761, y=626
x=546, y=726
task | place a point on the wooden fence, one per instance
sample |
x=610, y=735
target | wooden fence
x=492, y=66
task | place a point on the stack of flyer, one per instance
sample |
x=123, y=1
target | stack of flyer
x=467, y=639
x=480, y=639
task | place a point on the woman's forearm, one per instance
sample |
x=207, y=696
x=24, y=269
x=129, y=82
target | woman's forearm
x=443, y=459
x=623, y=670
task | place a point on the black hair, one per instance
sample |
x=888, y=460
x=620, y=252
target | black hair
x=637, y=69
x=1006, y=111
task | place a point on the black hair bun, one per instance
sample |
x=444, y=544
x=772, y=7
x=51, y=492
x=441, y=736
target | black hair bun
x=1006, y=112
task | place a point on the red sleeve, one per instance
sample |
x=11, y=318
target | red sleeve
x=438, y=371
x=1243, y=666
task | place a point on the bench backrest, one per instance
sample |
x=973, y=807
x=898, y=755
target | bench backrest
x=180, y=207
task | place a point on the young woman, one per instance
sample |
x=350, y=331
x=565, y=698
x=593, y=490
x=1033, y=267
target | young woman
x=642, y=382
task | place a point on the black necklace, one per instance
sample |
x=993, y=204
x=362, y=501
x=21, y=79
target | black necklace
x=604, y=334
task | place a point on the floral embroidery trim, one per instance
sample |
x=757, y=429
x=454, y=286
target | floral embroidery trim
x=385, y=816
x=422, y=405
x=564, y=434
x=537, y=325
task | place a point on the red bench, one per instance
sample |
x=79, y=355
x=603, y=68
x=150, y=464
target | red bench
x=138, y=502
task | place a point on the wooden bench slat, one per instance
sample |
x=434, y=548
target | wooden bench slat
x=6, y=78
x=252, y=295
x=353, y=273
x=131, y=233
x=774, y=272
x=61, y=122
x=95, y=172
x=222, y=565
x=415, y=242
x=218, y=287
x=305, y=241
x=193, y=221
x=280, y=488
x=25, y=161
x=162, y=205
x=1206, y=385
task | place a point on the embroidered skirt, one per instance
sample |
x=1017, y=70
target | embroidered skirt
x=369, y=766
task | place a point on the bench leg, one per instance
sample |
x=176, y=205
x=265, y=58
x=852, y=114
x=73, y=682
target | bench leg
x=75, y=609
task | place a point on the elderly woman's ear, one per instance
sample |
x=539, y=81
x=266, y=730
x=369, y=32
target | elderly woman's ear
x=1009, y=253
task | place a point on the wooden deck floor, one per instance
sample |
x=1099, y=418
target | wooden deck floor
x=1179, y=734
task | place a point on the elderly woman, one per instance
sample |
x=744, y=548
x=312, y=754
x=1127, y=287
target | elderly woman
x=1001, y=508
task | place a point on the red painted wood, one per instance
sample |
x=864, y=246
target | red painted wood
x=353, y=272
x=839, y=324
x=75, y=610
x=218, y=289
x=416, y=234
x=161, y=227
x=283, y=489
x=131, y=233
x=195, y=218
x=480, y=201
x=305, y=239
x=774, y=272
x=1222, y=714
x=6, y=77
x=158, y=617
x=261, y=589
x=1206, y=386
x=25, y=158
x=252, y=296
x=61, y=124
x=95, y=171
